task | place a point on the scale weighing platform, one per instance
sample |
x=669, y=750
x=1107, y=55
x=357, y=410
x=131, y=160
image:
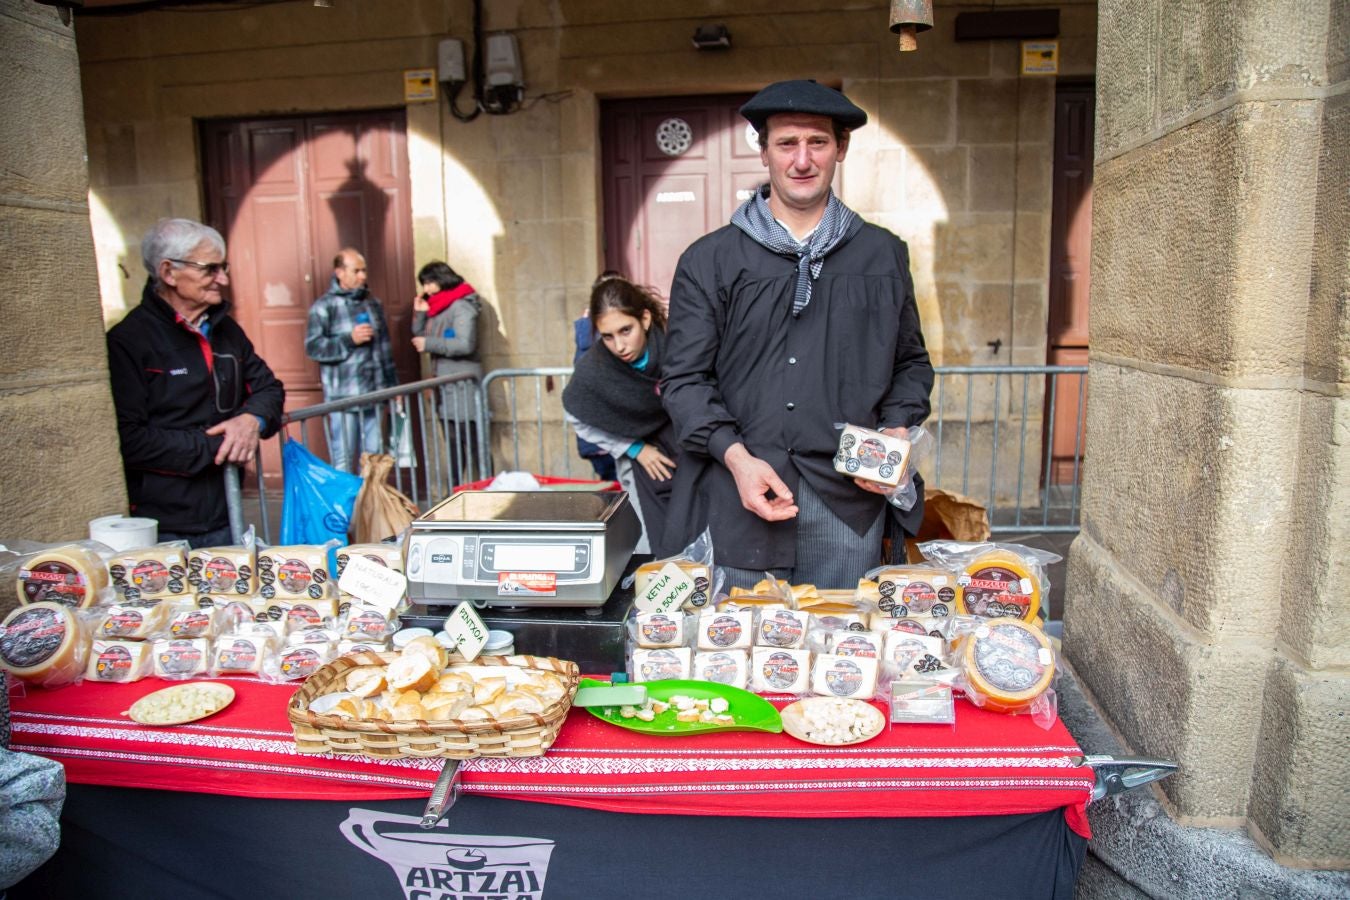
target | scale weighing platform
x=521, y=548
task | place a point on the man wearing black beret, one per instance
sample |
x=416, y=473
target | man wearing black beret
x=785, y=325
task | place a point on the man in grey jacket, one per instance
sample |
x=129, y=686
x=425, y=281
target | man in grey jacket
x=349, y=338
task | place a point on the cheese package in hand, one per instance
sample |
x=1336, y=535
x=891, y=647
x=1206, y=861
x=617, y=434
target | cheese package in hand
x=726, y=630
x=73, y=575
x=844, y=676
x=223, y=570
x=119, y=662
x=151, y=573
x=179, y=658
x=871, y=455
x=723, y=667
x=776, y=670
x=297, y=572
x=133, y=621
x=43, y=644
x=658, y=665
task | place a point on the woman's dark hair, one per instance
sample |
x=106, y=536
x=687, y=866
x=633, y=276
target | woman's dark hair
x=615, y=293
x=440, y=274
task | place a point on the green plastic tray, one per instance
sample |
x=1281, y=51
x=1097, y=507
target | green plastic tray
x=751, y=711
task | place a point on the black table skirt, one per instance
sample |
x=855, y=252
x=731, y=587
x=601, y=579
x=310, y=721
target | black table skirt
x=155, y=844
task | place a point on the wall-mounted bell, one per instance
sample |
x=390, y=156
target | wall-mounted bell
x=908, y=18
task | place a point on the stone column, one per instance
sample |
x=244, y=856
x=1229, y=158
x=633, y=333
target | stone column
x=61, y=464
x=1207, y=594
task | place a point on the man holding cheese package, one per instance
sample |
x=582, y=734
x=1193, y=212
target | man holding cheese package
x=191, y=394
x=787, y=324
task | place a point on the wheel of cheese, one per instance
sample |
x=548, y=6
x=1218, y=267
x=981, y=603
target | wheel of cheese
x=999, y=584
x=1010, y=662
x=42, y=644
x=71, y=575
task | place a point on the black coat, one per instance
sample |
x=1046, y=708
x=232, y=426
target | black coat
x=740, y=367
x=169, y=385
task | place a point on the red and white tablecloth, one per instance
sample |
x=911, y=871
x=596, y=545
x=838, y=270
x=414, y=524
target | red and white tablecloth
x=986, y=764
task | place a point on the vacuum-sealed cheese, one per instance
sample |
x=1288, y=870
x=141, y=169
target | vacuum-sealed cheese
x=657, y=665
x=782, y=628
x=723, y=667
x=348, y=647
x=303, y=613
x=659, y=629
x=119, y=661
x=916, y=591
x=388, y=555
x=866, y=644
x=296, y=572
x=367, y=624
x=780, y=670
x=726, y=630
x=844, y=676
x=700, y=574
x=871, y=455
x=294, y=663
x=920, y=653
x=1010, y=662
x=72, y=575
x=998, y=584
x=42, y=644
x=223, y=570
x=133, y=621
x=151, y=573
x=177, y=658
x=192, y=622
x=240, y=654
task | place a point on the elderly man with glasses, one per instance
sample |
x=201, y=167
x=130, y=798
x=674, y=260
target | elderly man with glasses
x=190, y=392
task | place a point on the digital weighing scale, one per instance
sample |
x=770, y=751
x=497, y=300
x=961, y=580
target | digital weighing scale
x=521, y=549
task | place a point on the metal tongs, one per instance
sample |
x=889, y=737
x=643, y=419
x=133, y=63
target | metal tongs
x=443, y=795
x=1115, y=776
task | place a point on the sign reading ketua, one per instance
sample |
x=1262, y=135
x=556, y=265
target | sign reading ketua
x=437, y=865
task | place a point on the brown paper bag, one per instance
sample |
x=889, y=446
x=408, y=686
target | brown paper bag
x=946, y=516
x=381, y=511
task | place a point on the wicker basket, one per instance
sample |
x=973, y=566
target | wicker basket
x=527, y=734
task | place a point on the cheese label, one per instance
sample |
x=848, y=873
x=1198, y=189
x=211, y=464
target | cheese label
x=666, y=591
x=723, y=630
x=1008, y=657
x=180, y=657
x=54, y=581
x=372, y=582
x=220, y=575
x=466, y=630
x=153, y=577
x=118, y=661
x=660, y=629
x=996, y=591
x=862, y=644
x=657, y=665
x=190, y=623
x=782, y=628
x=779, y=670
x=371, y=624
x=31, y=637
x=124, y=621
x=300, y=662
x=239, y=654
x=721, y=667
x=843, y=677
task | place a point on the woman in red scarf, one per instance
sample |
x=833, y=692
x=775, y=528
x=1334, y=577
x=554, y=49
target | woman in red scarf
x=445, y=326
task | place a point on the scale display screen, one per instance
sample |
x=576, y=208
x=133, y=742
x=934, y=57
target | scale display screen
x=534, y=557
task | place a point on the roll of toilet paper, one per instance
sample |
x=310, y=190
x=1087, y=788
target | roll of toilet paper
x=124, y=532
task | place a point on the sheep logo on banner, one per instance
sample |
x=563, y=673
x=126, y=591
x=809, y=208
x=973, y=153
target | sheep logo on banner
x=436, y=864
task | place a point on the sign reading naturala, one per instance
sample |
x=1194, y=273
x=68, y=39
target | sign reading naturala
x=372, y=583
x=666, y=591
x=465, y=627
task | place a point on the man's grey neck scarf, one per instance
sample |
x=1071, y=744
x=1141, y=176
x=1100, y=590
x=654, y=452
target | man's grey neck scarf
x=837, y=225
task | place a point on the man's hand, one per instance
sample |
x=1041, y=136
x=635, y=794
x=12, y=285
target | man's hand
x=363, y=334
x=656, y=464
x=871, y=486
x=754, y=480
x=420, y=344
x=241, y=439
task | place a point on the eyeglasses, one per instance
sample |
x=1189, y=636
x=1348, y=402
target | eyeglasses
x=211, y=269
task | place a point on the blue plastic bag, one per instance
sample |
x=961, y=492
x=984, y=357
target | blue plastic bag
x=318, y=499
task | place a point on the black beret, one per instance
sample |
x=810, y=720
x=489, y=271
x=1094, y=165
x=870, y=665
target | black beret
x=802, y=97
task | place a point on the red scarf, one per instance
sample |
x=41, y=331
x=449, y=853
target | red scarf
x=440, y=301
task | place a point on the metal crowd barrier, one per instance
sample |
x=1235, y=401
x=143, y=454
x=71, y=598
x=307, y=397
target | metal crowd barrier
x=991, y=428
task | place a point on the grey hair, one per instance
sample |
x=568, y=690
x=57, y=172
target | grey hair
x=175, y=239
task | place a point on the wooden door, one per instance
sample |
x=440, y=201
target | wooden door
x=1070, y=272
x=674, y=169
x=288, y=194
